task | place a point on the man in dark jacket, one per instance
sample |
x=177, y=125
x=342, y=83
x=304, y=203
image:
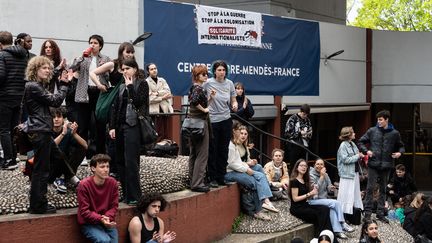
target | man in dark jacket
x=385, y=145
x=13, y=61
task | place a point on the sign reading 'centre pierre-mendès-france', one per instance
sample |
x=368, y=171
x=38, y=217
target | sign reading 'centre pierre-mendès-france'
x=228, y=27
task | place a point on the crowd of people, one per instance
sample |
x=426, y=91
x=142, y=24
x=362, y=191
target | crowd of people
x=61, y=107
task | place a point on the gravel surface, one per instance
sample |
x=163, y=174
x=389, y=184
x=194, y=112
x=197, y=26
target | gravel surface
x=162, y=175
x=283, y=221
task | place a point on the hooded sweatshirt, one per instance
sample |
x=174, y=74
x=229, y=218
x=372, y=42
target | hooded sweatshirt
x=13, y=62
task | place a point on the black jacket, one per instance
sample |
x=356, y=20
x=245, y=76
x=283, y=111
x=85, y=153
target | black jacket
x=139, y=93
x=37, y=101
x=13, y=62
x=423, y=226
x=382, y=142
x=408, y=224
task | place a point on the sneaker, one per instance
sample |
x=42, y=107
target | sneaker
x=214, y=184
x=74, y=181
x=60, y=186
x=346, y=227
x=84, y=162
x=383, y=219
x=341, y=235
x=10, y=165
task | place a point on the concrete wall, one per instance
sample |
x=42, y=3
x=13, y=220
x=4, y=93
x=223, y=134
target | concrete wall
x=70, y=23
x=343, y=79
x=401, y=67
x=195, y=217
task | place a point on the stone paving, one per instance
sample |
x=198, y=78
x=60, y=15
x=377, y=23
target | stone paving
x=162, y=175
x=170, y=175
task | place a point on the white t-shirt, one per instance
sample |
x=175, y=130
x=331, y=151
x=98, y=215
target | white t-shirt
x=92, y=67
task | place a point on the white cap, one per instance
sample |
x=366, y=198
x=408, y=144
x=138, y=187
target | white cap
x=329, y=234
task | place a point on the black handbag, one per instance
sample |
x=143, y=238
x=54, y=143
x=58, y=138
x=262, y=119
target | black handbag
x=147, y=129
x=193, y=128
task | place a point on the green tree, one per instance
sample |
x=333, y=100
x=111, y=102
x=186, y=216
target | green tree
x=397, y=15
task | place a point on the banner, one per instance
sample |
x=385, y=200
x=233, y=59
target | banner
x=287, y=63
x=222, y=26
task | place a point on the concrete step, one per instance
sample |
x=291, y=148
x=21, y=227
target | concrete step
x=304, y=231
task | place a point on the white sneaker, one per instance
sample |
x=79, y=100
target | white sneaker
x=84, y=162
x=346, y=227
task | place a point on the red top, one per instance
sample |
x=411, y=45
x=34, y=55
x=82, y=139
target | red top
x=95, y=201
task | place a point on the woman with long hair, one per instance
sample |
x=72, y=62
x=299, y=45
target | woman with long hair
x=245, y=109
x=410, y=212
x=198, y=109
x=220, y=118
x=247, y=172
x=348, y=157
x=369, y=232
x=51, y=50
x=300, y=191
x=37, y=101
x=124, y=128
x=423, y=219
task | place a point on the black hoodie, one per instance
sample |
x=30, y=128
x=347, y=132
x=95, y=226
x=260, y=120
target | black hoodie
x=13, y=62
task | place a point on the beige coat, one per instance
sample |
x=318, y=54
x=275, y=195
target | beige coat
x=269, y=170
x=157, y=104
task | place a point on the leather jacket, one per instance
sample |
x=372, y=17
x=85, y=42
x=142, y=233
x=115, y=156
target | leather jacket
x=37, y=101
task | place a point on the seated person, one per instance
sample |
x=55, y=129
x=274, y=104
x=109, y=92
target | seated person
x=72, y=146
x=277, y=174
x=400, y=185
x=98, y=198
x=146, y=226
x=247, y=172
x=423, y=220
x=410, y=212
x=300, y=191
x=320, y=179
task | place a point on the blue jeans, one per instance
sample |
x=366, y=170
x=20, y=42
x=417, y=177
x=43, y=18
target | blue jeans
x=336, y=213
x=257, y=181
x=99, y=234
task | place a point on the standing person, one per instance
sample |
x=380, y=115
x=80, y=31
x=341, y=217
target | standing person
x=26, y=41
x=245, y=109
x=146, y=226
x=13, y=61
x=369, y=232
x=220, y=118
x=320, y=179
x=160, y=99
x=51, y=50
x=348, y=157
x=199, y=148
x=97, y=197
x=299, y=130
x=87, y=93
x=300, y=192
x=124, y=128
x=37, y=101
x=385, y=145
x=277, y=175
x=113, y=68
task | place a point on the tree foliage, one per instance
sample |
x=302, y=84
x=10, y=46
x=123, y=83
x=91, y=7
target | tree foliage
x=397, y=15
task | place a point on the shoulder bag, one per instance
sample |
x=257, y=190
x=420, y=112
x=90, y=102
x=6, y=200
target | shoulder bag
x=193, y=127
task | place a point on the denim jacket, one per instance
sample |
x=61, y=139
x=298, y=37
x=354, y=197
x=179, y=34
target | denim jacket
x=347, y=156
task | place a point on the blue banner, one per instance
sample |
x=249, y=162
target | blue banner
x=287, y=63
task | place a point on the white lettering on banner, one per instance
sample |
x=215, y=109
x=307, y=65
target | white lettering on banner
x=222, y=26
x=186, y=67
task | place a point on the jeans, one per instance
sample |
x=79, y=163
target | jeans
x=257, y=181
x=336, y=213
x=8, y=120
x=99, y=234
x=380, y=177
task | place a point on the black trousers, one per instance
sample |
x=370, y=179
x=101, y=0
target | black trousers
x=8, y=120
x=318, y=215
x=89, y=128
x=218, y=152
x=45, y=150
x=66, y=163
x=128, y=142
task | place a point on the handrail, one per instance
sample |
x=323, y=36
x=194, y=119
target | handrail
x=281, y=139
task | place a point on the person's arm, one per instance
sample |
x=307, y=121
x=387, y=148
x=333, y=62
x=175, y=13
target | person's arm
x=114, y=198
x=60, y=137
x=161, y=227
x=3, y=69
x=140, y=98
x=290, y=128
x=267, y=170
x=296, y=197
x=77, y=137
x=47, y=98
x=84, y=210
x=285, y=176
x=234, y=104
x=234, y=160
x=363, y=141
x=134, y=228
x=344, y=156
x=107, y=67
